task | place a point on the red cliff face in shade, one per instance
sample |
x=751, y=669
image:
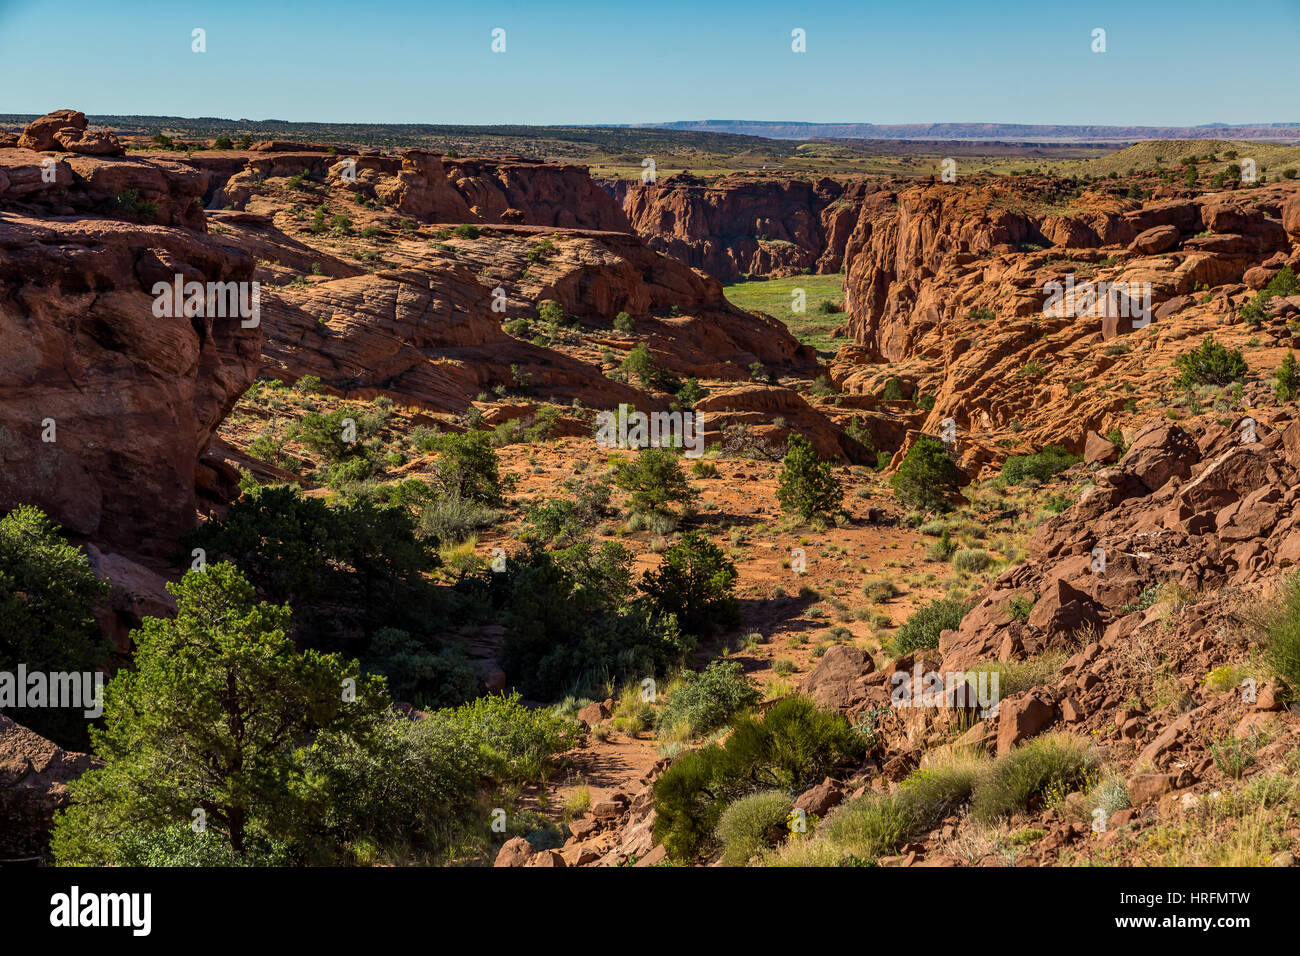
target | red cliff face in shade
x=745, y=225
x=106, y=407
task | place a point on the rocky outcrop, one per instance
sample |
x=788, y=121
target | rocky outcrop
x=544, y=194
x=106, y=406
x=428, y=187
x=68, y=131
x=771, y=414
x=426, y=331
x=148, y=192
x=34, y=774
x=745, y=225
x=942, y=251
x=960, y=290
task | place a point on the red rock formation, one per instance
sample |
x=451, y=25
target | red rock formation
x=745, y=225
x=430, y=188
x=426, y=333
x=67, y=130
x=950, y=285
x=925, y=258
x=132, y=397
x=34, y=774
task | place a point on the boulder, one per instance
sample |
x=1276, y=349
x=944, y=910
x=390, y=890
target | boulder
x=39, y=133
x=1064, y=610
x=820, y=799
x=1098, y=450
x=515, y=852
x=1161, y=451
x=89, y=142
x=1146, y=787
x=1022, y=717
x=549, y=858
x=595, y=713
x=979, y=635
x=34, y=774
x=1155, y=240
x=837, y=682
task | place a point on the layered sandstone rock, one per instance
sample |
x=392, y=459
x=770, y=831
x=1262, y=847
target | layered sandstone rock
x=143, y=191
x=68, y=130
x=745, y=225
x=105, y=407
x=428, y=187
x=944, y=250
x=426, y=330
x=959, y=290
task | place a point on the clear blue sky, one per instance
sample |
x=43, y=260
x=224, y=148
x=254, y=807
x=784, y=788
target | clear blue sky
x=1009, y=61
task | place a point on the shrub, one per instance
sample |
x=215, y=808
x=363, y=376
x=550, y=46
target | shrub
x=128, y=203
x=807, y=485
x=876, y=824
x=335, y=436
x=468, y=466
x=48, y=592
x=448, y=518
x=624, y=323
x=690, y=393
x=419, y=674
x=347, y=570
x=972, y=561
x=564, y=521
x=893, y=390
x=1282, y=629
x=921, y=629
x=570, y=627
x=707, y=700
x=1287, y=383
x=695, y=581
x=552, y=313
x=927, y=477
x=794, y=745
x=540, y=250
x=1232, y=755
x=179, y=845
x=175, y=738
x=752, y=824
x=1284, y=283
x=1021, y=780
x=1043, y=466
x=880, y=592
x=943, y=549
x=1210, y=364
x=1020, y=606
x=653, y=480
x=686, y=810
x=467, y=231
x=640, y=364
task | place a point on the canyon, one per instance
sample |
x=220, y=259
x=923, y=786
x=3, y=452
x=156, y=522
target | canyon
x=469, y=293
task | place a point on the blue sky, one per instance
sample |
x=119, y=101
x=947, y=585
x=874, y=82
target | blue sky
x=1006, y=61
